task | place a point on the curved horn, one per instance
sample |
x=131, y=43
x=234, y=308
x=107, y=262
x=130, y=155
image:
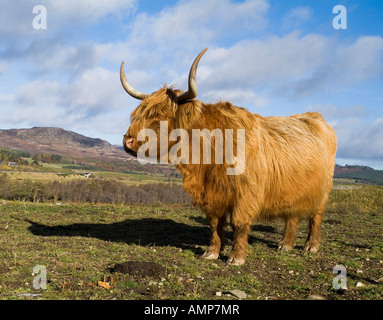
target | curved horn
x=192, y=90
x=128, y=88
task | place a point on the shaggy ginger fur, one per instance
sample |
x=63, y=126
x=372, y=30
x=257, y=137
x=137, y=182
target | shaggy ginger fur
x=289, y=165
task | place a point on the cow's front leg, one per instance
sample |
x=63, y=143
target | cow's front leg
x=238, y=253
x=217, y=225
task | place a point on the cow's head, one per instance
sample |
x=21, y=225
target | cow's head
x=161, y=105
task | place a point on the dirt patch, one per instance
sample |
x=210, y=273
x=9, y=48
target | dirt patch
x=3, y=269
x=140, y=268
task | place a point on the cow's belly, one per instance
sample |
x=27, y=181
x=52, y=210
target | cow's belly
x=295, y=202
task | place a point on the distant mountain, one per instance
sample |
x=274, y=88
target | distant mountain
x=119, y=147
x=52, y=140
x=97, y=153
x=360, y=174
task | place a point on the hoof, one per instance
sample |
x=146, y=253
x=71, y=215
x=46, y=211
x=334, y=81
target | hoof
x=284, y=247
x=210, y=255
x=311, y=247
x=235, y=261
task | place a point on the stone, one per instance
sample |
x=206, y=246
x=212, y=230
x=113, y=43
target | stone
x=238, y=293
x=315, y=297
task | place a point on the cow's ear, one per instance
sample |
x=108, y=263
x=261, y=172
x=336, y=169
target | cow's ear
x=171, y=93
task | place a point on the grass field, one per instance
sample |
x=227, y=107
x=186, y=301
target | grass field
x=62, y=176
x=152, y=252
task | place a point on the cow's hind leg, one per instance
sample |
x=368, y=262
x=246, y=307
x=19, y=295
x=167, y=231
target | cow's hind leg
x=217, y=225
x=289, y=239
x=314, y=238
x=239, y=250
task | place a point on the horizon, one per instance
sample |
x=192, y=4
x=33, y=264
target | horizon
x=274, y=58
x=121, y=145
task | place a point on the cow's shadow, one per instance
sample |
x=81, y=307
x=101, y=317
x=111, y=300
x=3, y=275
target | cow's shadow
x=144, y=232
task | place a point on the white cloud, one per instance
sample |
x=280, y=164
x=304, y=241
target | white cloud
x=197, y=22
x=16, y=16
x=96, y=90
x=88, y=10
x=247, y=67
x=158, y=52
x=38, y=94
x=110, y=126
x=300, y=13
x=27, y=116
x=3, y=67
x=269, y=62
x=360, y=140
x=340, y=66
x=330, y=111
x=69, y=59
x=291, y=65
x=296, y=17
x=360, y=60
x=165, y=44
x=37, y=103
x=6, y=99
x=357, y=138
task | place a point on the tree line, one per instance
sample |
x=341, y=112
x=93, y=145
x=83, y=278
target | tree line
x=365, y=176
x=17, y=156
x=13, y=155
x=91, y=191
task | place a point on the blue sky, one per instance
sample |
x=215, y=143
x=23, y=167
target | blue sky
x=271, y=57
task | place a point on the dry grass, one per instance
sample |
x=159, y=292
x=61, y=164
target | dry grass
x=80, y=243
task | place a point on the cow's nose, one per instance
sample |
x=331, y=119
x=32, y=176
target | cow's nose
x=129, y=142
x=130, y=145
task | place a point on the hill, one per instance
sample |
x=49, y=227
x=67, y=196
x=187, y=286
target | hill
x=361, y=174
x=80, y=150
x=58, y=141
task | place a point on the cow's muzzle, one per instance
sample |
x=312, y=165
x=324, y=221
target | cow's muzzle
x=130, y=145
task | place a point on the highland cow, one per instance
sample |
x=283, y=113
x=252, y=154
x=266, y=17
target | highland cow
x=289, y=164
